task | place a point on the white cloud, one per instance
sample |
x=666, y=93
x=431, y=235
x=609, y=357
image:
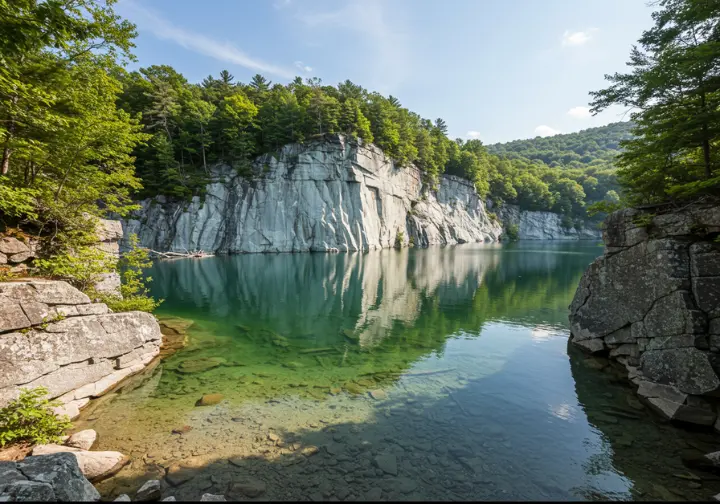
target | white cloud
x=473, y=134
x=545, y=131
x=281, y=4
x=152, y=22
x=579, y=112
x=387, y=58
x=577, y=38
x=302, y=66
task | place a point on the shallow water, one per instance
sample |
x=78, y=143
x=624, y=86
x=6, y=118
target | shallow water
x=439, y=374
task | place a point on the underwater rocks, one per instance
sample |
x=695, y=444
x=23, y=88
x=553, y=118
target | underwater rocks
x=209, y=400
x=200, y=365
x=652, y=303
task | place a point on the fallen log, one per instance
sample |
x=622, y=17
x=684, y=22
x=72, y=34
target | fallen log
x=196, y=254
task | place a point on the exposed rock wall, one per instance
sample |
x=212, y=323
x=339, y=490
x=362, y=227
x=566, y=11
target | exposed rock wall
x=544, y=225
x=324, y=196
x=51, y=335
x=652, y=302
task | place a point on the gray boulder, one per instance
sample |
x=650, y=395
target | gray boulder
x=48, y=478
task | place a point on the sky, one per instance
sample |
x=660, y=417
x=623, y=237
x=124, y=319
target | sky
x=496, y=70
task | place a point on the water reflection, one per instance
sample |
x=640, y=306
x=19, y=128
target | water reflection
x=416, y=374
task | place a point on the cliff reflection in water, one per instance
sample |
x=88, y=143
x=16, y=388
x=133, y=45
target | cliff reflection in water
x=318, y=295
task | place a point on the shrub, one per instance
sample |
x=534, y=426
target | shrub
x=81, y=266
x=512, y=231
x=135, y=295
x=492, y=216
x=399, y=238
x=31, y=418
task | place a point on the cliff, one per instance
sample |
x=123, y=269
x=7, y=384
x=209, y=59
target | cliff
x=329, y=195
x=544, y=225
x=51, y=335
x=652, y=303
x=322, y=196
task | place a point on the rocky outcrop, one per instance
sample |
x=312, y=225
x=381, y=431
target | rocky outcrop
x=652, y=302
x=48, y=478
x=544, y=225
x=330, y=195
x=51, y=335
x=109, y=234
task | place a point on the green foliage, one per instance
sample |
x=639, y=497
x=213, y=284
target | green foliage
x=493, y=216
x=30, y=418
x=135, y=295
x=80, y=265
x=643, y=220
x=512, y=231
x=399, y=238
x=673, y=91
x=65, y=146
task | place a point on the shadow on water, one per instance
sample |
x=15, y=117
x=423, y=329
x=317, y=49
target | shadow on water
x=437, y=374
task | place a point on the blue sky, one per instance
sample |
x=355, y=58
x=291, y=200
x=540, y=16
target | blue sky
x=493, y=69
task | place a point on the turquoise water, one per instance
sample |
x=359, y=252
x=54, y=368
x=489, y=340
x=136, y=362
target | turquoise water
x=441, y=374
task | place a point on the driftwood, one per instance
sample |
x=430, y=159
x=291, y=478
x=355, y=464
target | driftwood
x=195, y=254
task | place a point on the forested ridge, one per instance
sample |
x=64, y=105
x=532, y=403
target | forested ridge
x=592, y=147
x=221, y=120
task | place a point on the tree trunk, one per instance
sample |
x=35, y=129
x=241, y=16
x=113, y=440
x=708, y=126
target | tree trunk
x=705, y=138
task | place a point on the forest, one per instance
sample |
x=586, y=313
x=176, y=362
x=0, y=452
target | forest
x=195, y=126
x=82, y=137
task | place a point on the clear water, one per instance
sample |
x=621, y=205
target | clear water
x=439, y=374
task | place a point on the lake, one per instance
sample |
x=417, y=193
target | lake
x=439, y=373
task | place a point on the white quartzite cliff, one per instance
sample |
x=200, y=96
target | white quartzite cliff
x=51, y=335
x=323, y=196
x=544, y=225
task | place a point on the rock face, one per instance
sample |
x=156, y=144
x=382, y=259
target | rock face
x=652, y=302
x=52, y=336
x=544, y=225
x=330, y=195
x=48, y=478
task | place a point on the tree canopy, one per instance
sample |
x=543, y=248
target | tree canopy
x=673, y=92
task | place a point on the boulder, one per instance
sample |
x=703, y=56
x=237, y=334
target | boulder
x=83, y=439
x=212, y=498
x=387, y=463
x=31, y=491
x=62, y=473
x=19, y=257
x=123, y=498
x=95, y=465
x=150, y=491
x=246, y=487
x=688, y=369
x=10, y=246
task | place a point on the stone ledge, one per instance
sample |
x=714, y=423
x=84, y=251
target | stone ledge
x=83, y=355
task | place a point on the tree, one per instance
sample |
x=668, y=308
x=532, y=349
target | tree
x=674, y=92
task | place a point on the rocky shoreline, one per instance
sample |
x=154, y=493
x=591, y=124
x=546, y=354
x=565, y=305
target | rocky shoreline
x=652, y=303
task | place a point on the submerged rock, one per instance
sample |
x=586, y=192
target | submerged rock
x=200, y=365
x=150, y=491
x=209, y=400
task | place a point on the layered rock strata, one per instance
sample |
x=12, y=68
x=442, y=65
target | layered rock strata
x=652, y=302
x=51, y=335
x=329, y=195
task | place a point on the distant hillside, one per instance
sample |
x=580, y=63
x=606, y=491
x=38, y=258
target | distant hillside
x=591, y=147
